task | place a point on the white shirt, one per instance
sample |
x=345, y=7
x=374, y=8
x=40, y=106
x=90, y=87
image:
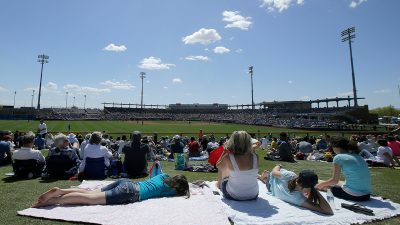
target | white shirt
x=42, y=128
x=95, y=151
x=121, y=145
x=82, y=148
x=25, y=153
x=381, y=151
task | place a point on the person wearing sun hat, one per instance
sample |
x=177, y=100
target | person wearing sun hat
x=296, y=189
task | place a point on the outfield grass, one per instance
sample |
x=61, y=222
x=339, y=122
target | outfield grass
x=117, y=128
x=20, y=194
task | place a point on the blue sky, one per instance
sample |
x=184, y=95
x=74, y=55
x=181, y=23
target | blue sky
x=198, y=51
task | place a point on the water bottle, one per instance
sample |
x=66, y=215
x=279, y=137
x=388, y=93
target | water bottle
x=330, y=198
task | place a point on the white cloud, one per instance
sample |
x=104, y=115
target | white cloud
x=235, y=20
x=197, y=58
x=345, y=94
x=383, y=91
x=305, y=98
x=290, y=82
x=239, y=50
x=221, y=50
x=115, y=48
x=84, y=89
x=124, y=85
x=51, y=86
x=203, y=36
x=355, y=3
x=3, y=89
x=165, y=87
x=177, y=81
x=154, y=63
x=279, y=5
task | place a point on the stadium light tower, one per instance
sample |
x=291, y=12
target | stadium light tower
x=347, y=35
x=251, y=76
x=142, y=76
x=66, y=100
x=33, y=95
x=15, y=93
x=42, y=59
x=73, y=104
x=84, y=104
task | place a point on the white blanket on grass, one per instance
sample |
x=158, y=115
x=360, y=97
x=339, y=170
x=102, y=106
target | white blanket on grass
x=201, y=208
x=270, y=210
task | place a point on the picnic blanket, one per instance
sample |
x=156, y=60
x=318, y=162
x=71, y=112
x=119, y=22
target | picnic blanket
x=270, y=210
x=201, y=208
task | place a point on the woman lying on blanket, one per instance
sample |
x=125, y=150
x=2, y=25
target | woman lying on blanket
x=238, y=168
x=357, y=185
x=123, y=191
x=298, y=190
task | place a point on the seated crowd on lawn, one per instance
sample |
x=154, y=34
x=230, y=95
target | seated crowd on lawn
x=235, y=158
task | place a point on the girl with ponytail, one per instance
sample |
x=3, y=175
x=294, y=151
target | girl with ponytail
x=357, y=184
x=296, y=189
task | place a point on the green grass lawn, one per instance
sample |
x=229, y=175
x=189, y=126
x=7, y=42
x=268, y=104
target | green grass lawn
x=163, y=128
x=20, y=194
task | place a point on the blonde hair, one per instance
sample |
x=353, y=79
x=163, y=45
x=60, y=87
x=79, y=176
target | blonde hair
x=239, y=143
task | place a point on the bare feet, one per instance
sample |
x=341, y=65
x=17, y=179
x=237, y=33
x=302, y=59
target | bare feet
x=264, y=176
x=54, y=192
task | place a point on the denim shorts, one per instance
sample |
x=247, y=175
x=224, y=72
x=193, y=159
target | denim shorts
x=122, y=191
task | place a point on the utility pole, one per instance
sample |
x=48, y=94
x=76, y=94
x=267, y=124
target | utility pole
x=347, y=35
x=251, y=77
x=42, y=59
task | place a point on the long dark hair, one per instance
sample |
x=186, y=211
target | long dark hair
x=179, y=183
x=345, y=144
x=306, y=179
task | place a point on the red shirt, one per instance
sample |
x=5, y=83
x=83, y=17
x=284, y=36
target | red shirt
x=395, y=146
x=194, y=147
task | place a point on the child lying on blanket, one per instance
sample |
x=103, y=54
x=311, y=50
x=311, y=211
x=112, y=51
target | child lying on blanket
x=298, y=190
x=123, y=191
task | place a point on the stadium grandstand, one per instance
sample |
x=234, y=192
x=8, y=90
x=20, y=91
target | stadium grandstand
x=289, y=114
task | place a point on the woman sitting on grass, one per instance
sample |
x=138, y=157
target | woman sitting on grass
x=297, y=190
x=238, y=168
x=123, y=191
x=357, y=185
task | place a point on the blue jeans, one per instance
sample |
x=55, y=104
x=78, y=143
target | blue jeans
x=122, y=191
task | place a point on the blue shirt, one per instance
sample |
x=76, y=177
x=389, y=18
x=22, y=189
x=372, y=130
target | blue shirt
x=279, y=188
x=356, y=173
x=155, y=187
x=4, y=148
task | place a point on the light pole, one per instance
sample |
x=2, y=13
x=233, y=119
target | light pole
x=73, y=103
x=33, y=95
x=66, y=100
x=251, y=76
x=15, y=93
x=84, y=103
x=347, y=35
x=42, y=59
x=142, y=75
